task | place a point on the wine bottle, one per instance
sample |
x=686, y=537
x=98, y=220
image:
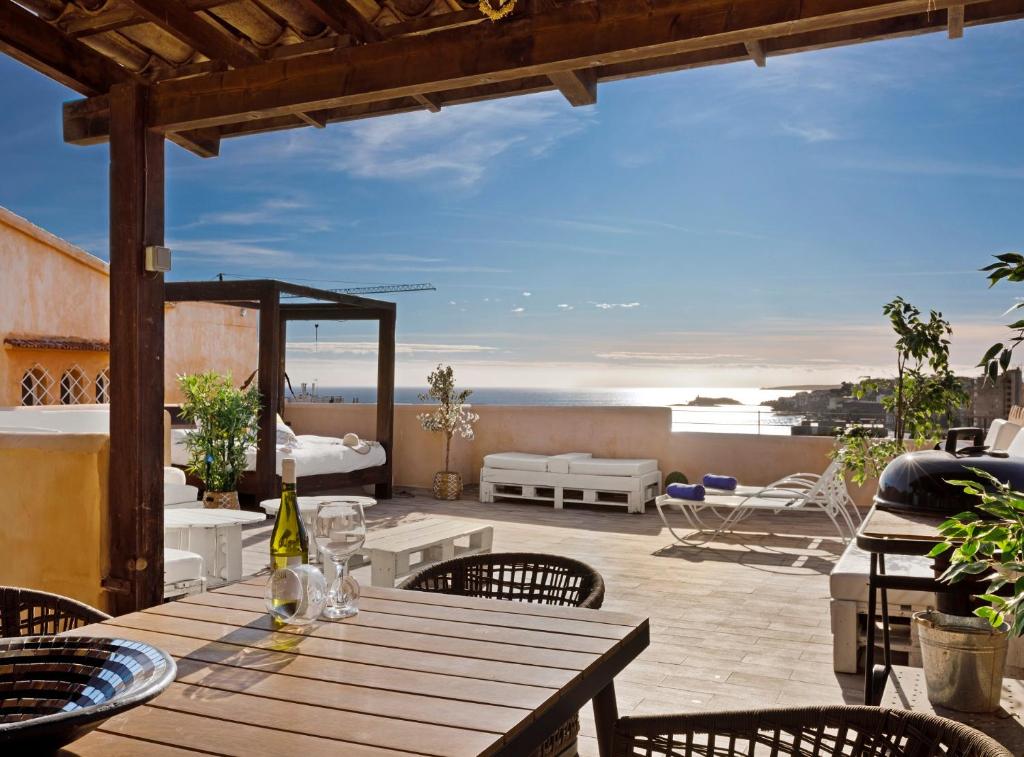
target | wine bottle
x=289, y=542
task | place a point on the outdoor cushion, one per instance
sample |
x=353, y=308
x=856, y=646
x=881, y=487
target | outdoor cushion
x=178, y=494
x=606, y=467
x=560, y=463
x=993, y=432
x=1006, y=436
x=849, y=579
x=180, y=565
x=517, y=461
x=173, y=475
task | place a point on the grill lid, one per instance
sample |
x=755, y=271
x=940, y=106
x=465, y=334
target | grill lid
x=917, y=481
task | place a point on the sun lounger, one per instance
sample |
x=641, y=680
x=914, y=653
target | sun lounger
x=574, y=477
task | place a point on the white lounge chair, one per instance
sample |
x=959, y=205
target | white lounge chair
x=825, y=493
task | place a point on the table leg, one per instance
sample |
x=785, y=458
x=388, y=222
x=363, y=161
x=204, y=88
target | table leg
x=869, y=652
x=606, y=712
x=876, y=676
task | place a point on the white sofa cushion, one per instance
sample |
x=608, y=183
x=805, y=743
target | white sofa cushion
x=606, y=467
x=1008, y=433
x=180, y=565
x=179, y=494
x=560, y=463
x=173, y=475
x=849, y=579
x=517, y=461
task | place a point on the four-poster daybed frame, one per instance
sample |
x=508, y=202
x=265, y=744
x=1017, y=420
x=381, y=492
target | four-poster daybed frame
x=264, y=296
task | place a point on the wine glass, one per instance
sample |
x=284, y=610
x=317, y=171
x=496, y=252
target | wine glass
x=296, y=595
x=340, y=530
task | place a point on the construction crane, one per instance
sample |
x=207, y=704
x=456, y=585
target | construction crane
x=386, y=288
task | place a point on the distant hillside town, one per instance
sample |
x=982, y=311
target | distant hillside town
x=827, y=410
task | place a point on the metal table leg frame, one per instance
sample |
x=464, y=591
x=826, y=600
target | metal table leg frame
x=875, y=677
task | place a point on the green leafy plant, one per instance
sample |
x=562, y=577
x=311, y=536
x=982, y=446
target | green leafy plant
x=920, y=399
x=452, y=414
x=992, y=545
x=1009, y=266
x=226, y=425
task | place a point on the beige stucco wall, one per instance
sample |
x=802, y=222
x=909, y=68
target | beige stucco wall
x=54, y=513
x=604, y=431
x=49, y=287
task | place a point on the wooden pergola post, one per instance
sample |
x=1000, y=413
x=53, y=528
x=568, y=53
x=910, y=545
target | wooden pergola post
x=386, y=396
x=269, y=383
x=136, y=572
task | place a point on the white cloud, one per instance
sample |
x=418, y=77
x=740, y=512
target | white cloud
x=810, y=133
x=668, y=357
x=565, y=306
x=613, y=305
x=232, y=251
x=527, y=294
x=518, y=309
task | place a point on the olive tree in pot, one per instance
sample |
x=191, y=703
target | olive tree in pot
x=451, y=416
x=226, y=426
x=964, y=657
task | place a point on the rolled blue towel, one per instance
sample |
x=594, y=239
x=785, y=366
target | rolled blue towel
x=685, y=491
x=712, y=481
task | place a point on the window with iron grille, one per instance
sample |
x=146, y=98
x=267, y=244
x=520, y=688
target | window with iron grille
x=73, y=386
x=36, y=386
x=103, y=386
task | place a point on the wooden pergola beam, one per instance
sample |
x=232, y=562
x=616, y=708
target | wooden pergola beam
x=340, y=16
x=755, y=49
x=177, y=19
x=430, y=102
x=955, y=21
x=578, y=87
x=567, y=37
x=37, y=44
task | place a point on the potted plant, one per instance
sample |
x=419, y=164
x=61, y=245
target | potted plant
x=964, y=657
x=226, y=426
x=451, y=416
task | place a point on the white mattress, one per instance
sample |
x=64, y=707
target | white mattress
x=609, y=467
x=849, y=579
x=315, y=455
x=535, y=463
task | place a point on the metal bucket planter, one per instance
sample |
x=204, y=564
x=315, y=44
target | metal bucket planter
x=964, y=658
x=223, y=500
x=447, y=485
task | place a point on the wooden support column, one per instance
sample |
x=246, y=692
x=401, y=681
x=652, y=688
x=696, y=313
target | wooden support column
x=270, y=392
x=955, y=21
x=386, y=397
x=281, y=387
x=135, y=576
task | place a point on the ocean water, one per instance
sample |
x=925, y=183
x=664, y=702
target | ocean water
x=752, y=416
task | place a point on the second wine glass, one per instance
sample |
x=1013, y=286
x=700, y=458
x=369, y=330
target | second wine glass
x=340, y=531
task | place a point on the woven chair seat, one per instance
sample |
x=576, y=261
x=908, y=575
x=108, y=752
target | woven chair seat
x=27, y=612
x=838, y=731
x=520, y=577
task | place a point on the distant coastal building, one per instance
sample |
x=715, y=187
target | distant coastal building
x=994, y=399
x=54, y=325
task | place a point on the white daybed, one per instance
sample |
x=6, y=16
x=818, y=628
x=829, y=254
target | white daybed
x=574, y=477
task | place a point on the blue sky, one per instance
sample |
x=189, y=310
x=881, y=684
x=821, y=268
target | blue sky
x=730, y=226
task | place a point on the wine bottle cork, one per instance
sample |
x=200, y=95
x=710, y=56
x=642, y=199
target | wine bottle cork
x=288, y=470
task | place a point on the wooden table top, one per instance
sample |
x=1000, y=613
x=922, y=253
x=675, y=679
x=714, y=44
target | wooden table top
x=209, y=517
x=899, y=532
x=412, y=673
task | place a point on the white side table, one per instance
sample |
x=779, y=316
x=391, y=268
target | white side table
x=214, y=534
x=309, y=505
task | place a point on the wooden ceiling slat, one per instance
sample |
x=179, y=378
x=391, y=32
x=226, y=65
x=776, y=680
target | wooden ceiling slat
x=342, y=18
x=430, y=102
x=575, y=36
x=174, y=17
x=37, y=44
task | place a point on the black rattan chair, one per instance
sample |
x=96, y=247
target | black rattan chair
x=520, y=577
x=26, y=612
x=801, y=732
x=516, y=576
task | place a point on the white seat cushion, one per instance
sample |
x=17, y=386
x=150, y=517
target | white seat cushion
x=173, y=475
x=849, y=579
x=560, y=463
x=606, y=467
x=180, y=565
x=176, y=494
x=517, y=461
x=1007, y=434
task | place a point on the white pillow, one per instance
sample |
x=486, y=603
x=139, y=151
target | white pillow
x=285, y=436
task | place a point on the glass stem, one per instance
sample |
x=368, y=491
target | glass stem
x=340, y=571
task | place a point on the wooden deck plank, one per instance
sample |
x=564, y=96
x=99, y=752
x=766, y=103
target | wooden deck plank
x=115, y=745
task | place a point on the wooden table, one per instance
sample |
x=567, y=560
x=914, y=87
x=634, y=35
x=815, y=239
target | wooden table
x=412, y=673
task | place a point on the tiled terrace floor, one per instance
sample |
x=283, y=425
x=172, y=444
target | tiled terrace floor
x=743, y=623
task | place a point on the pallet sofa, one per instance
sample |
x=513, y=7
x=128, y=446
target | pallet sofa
x=571, y=478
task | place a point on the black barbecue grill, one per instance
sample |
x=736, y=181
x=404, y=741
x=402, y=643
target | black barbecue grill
x=918, y=481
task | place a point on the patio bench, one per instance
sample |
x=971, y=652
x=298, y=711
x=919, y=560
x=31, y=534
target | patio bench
x=396, y=552
x=571, y=478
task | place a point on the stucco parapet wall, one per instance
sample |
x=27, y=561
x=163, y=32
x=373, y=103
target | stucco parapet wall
x=28, y=228
x=53, y=441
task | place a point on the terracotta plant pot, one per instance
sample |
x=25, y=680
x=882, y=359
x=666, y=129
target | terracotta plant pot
x=222, y=500
x=447, y=485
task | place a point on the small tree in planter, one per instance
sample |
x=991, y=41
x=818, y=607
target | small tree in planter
x=226, y=426
x=451, y=416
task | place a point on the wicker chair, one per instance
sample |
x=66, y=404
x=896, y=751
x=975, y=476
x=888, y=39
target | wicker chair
x=517, y=576
x=801, y=732
x=520, y=577
x=26, y=612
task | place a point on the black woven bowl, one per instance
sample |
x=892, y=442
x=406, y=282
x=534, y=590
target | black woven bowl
x=55, y=689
